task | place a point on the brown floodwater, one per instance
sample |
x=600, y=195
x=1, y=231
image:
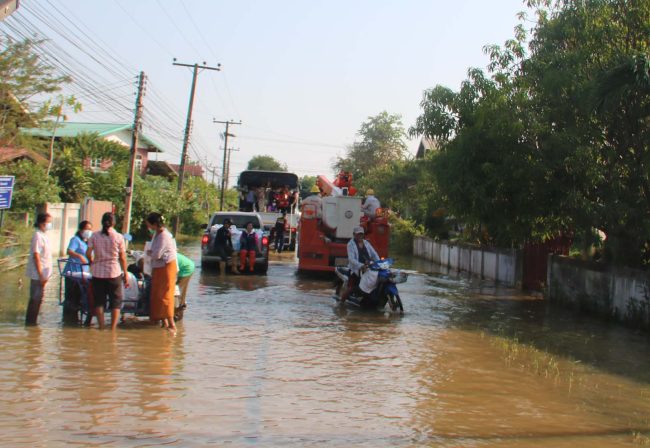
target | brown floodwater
x=269, y=361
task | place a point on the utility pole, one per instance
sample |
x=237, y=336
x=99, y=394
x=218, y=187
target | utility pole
x=212, y=170
x=188, y=125
x=137, y=123
x=225, y=157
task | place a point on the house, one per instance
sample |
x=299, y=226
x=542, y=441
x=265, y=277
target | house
x=171, y=170
x=161, y=168
x=191, y=169
x=426, y=145
x=10, y=154
x=115, y=132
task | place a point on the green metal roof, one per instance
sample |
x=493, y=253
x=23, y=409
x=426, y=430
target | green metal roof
x=72, y=129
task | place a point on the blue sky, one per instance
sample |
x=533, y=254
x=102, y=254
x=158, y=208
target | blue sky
x=293, y=71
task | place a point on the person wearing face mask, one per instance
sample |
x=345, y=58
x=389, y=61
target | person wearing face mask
x=77, y=263
x=39, y=266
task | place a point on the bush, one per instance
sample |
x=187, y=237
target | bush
x=402, y=233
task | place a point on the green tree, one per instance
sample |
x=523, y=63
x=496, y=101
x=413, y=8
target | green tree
x=588, y=77
x=153, y=194
x=33, y=187
x=306, y=184
x=266, y=163
x=487, y=169
x=555, y=139
x=381, y=142
x=25, y=79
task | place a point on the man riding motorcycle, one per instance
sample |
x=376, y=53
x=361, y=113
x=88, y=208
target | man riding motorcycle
x=360, y=255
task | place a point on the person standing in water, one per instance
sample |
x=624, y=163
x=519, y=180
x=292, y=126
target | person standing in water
x=77, y=264
x=185, y=270
x=39, y=267
x=165, y=270
x=107, y=257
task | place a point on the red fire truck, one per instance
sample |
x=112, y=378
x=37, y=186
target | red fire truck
x=323, y=234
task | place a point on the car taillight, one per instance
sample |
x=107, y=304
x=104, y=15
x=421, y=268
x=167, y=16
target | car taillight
x=204, y=240
x=293, y=230
x=265, y=241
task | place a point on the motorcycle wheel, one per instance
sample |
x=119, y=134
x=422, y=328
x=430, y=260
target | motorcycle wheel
x=395, y=302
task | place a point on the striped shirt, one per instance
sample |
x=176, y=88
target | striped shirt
x=106, y=251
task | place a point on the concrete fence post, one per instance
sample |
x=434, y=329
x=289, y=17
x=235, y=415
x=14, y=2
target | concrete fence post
x=482, y=264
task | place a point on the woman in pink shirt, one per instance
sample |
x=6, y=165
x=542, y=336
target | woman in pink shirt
x=107, y=257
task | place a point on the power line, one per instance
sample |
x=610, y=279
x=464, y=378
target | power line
x=211, y=50
x=180, y=31
x=97, y=76
x=292, y=142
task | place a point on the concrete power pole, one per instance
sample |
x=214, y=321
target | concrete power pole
x=137, y=123
x=224, y=168
x=188, y=126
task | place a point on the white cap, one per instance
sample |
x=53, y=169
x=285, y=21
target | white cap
x=358, y=229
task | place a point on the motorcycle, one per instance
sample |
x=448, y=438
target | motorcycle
x=384, y=291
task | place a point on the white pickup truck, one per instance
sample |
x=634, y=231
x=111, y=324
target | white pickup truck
x=239, y=220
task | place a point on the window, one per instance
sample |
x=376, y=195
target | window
x=95, y=164
x=138, y=163
x=238, y=221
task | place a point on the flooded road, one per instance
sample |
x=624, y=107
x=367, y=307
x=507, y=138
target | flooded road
x=269, y=361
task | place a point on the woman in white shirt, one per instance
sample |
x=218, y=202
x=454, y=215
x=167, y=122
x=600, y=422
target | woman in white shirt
x=39, y=267
x=164, y=272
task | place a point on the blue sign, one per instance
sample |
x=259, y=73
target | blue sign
x=6, y=191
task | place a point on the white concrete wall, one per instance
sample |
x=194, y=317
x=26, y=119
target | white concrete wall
x=65, y=221
x=503, y=265
x=621, y=294
x=490, y=265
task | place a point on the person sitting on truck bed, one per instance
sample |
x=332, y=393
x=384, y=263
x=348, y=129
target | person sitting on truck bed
x=248, y=248
x=223, y=246
x=283, y=199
